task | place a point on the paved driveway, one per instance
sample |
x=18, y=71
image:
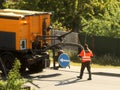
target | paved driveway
x=65, y=79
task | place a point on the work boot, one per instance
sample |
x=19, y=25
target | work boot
x=79, y=77
x=89, y=79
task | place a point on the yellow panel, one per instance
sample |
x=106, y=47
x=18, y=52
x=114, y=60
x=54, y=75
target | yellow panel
x=24, y=33
x=9, y=25
x=34, y=24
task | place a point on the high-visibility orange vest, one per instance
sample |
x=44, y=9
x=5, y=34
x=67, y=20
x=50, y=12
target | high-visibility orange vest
x=86, y=56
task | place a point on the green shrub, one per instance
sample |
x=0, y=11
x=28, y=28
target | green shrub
x=14, y=80
x=107, y=59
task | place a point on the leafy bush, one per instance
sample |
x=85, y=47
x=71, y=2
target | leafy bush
x=107, y=59
x=14, y=80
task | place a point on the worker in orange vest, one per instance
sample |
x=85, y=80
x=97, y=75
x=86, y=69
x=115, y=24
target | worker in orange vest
x=85, y=55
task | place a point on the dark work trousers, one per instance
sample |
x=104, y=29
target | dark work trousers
x=87, y=65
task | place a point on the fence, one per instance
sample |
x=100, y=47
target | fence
x=102, y=45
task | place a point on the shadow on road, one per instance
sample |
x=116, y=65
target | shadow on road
x=59, y=81
x=42, y=76
x=70, y=71
x=106, y=74
x=69, y=81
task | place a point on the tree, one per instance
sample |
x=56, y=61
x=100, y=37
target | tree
x=14, y=4
x=105, y=20
x=1, y=3
x=65, y=11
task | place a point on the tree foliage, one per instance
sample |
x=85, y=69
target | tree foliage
x=1, y=2
x=106, y=22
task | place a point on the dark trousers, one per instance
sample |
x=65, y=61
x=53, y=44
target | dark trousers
x=83, y=66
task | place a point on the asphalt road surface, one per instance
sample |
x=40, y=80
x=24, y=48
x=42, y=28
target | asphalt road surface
x=65, y=79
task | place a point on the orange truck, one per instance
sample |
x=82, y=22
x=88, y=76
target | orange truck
x=24, y=35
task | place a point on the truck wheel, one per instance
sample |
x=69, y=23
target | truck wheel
x=8, y=60
x=23, y=62
x=36, y=67
x=23, y=66
x=3, y=68
x=46, y=63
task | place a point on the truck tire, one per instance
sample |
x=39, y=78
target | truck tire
x=23, y=66
x=8, y=59
x=46, y=63
x=3, y=68
x=36, y=67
